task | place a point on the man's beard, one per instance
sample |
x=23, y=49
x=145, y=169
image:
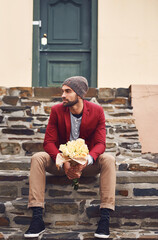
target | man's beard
x=70, y=103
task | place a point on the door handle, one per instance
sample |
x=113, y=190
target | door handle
x=44, y=39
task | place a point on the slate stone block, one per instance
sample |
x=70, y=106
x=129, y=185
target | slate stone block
x=8, y=191
x=57, y=193
x=130, y=145
x=130, y=224
x=58, y=180
x=10, y=109
x=23, y=119
x=120, y=129
x=15, y=166
x=110, y=145
x=145, y=192
x=31, y=147
x=42, y=130
x=93, y=212
x=148, y=237
x=127, y=212
x=18, y=126
x=11, y=100
x=106, y=93
x=18, y=131
x=122, y=193
x=2, y=207
x=92, y=92
x=135, y=212
x=122, y=92
x=9, y=148
x=123, y=167
x=22, y=220
x=25, y=191
x=113, y=101
x=117, y=121
x=47, y=109
x=129, y=136
x=3, y=91
x=1, y=119
x=10, y=178
x=149, y=224
x=4, y=222
x=42, y=119
x=56, y=99
x=66, y=206
x=85, y=179
x=47, y=92
x=30, y=104
x=87, y=193
x=121, y=114
x=23, y=92
x=65, y=223
x=61, y=236
x=137, y=167
x=63, y=180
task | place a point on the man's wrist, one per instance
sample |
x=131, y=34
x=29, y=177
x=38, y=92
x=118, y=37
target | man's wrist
x=89, y=159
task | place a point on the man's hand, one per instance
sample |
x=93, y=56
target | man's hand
x=70, y=172
x=79, y=167
x=75, y=171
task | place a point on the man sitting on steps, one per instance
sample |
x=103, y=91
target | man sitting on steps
x=72, y=119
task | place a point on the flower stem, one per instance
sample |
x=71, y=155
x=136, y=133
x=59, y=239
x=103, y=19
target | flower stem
x=75, y=184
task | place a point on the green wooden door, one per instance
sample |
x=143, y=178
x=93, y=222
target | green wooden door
x=67, y=41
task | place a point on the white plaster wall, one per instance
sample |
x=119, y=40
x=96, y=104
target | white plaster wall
x=127, y=42
x=16, y=42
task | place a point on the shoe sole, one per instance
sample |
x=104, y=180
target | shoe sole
x=100, y=235
x=33, y=235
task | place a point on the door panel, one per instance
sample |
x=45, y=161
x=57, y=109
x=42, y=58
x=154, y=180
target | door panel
x=59, y=67
x=61, y=31
x=70, y=47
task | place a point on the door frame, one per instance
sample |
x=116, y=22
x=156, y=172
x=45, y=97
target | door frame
x=36, y=43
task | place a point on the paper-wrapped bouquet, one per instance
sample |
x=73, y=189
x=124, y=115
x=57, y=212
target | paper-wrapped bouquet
x=75, y=151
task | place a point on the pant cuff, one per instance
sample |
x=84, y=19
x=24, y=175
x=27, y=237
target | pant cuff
x=38, y=204
x=107, y=205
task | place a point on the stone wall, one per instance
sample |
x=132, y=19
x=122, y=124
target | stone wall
x=24, y=114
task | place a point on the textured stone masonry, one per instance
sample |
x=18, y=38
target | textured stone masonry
x=24, y=114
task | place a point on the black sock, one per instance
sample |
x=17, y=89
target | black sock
x=37, y=212
x=105, y=213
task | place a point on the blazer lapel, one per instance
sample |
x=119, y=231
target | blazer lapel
x=67, y=122
x=85, y=116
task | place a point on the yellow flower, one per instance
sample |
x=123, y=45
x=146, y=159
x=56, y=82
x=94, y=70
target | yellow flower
x=75, y=148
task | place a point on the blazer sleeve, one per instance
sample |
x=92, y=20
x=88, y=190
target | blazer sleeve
x=51, y=140
x=99, y=136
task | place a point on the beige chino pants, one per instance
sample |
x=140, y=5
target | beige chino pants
x=41, y=163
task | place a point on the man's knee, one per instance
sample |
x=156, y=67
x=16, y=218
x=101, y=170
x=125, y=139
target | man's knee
x=107, y=159
x=39, y=157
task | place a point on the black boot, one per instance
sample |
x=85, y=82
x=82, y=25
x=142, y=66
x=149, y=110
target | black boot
x=103, y=225
x=37, y=224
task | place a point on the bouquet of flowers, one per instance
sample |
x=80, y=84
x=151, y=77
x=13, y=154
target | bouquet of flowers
x=75, y=151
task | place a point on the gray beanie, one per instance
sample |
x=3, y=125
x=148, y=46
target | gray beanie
x=78, y=84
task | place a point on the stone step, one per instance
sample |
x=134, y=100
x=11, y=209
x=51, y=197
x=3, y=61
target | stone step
x=14, y=184
x=78, y=213
x=122, y=163
x=53, y=234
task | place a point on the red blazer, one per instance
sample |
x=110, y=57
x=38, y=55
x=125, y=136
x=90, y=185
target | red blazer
x=92, y=129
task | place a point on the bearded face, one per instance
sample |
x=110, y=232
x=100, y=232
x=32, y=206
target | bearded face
x=69, y=97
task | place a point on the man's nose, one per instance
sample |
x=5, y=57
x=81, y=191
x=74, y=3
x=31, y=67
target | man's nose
x=63, y=95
